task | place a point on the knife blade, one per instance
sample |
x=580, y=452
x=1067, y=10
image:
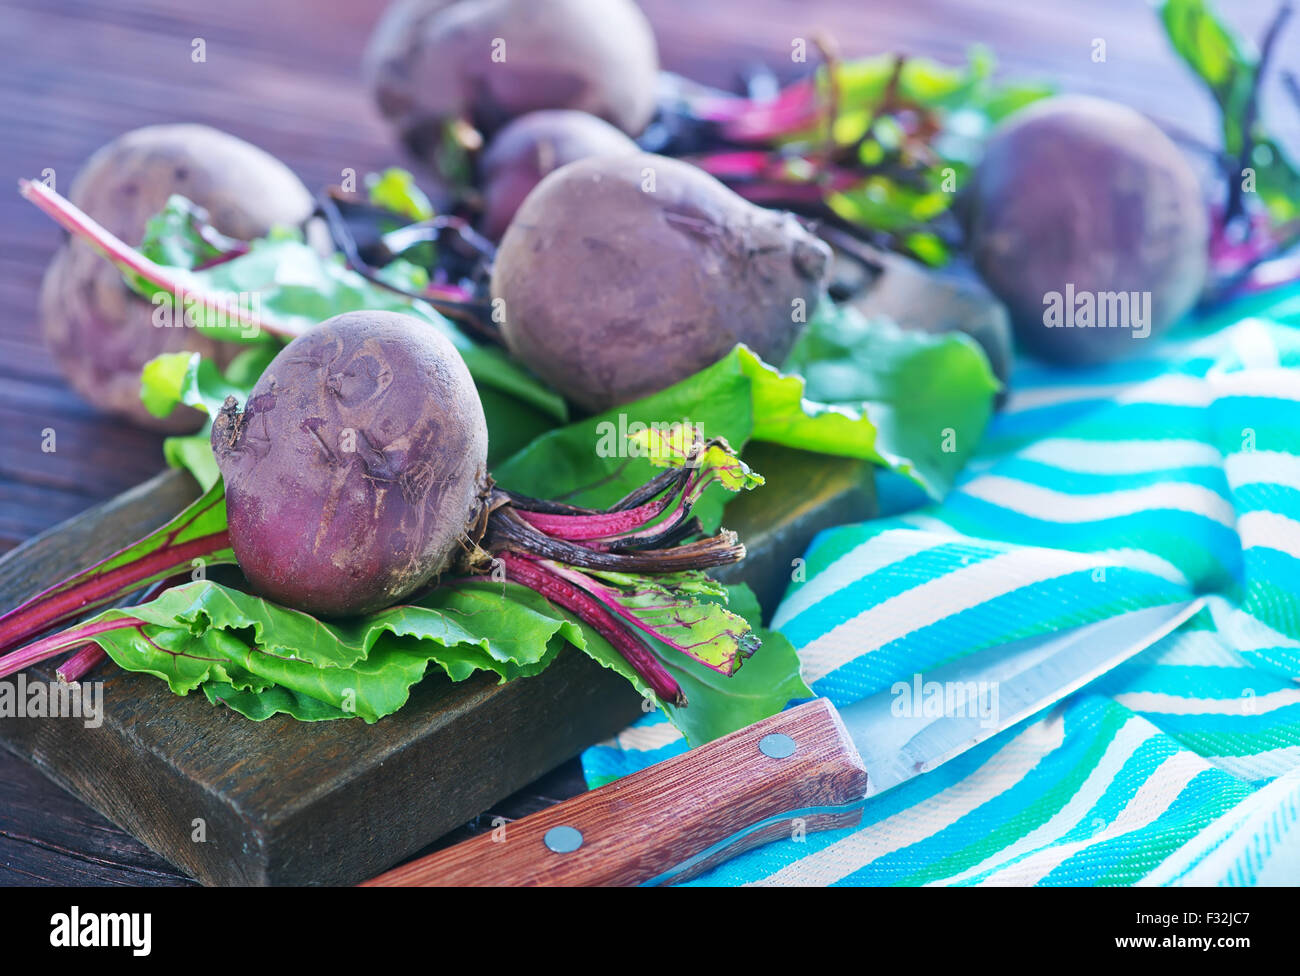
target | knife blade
x=812, y=767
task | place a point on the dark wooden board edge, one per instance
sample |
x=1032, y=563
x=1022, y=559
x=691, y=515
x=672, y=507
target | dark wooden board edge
x=140, y=792
x=511, y=735
x=389, y=809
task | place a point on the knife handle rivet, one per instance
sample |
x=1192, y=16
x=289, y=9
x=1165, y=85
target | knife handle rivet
x=563, y=840
x=776, y=745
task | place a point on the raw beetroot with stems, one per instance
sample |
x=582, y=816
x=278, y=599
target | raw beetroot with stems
x=621, y=275
x=355, y=469
x=461, y=69
x=532, y=146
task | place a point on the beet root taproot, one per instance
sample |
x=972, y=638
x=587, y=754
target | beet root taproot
x=100, y=332
x=621, y=275
x=357, y=471
x=1080, y=210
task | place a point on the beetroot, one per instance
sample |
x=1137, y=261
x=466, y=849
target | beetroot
x=436, y=65
x=622, y=275
x=1090, y=225
x=357, y=467
x=532, y=146
x=100, y=332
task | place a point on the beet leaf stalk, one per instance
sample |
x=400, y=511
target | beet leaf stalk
x=636, y=569
x=79, y=664
x=140, y=270
x=150, y=277
x=196, y=537
x=87, y=657
x=72, y=639
x=536, y=576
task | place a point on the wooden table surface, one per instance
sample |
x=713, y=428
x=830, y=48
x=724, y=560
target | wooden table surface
x=283, y=74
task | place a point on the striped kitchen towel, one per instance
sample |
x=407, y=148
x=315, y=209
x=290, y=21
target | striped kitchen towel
x=1095, y=492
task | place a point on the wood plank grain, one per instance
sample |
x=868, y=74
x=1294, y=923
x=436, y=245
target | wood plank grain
x=48, y=836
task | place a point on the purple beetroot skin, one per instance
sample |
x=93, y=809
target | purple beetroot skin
x=357, y=471
x=100, y=332
x=621, y=275
x=532, y=146
x=1087, y=200
x=432, y=63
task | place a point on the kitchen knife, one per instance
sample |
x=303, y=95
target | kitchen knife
x=812, y=767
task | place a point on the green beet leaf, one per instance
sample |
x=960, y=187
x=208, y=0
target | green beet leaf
x=179, y=236
x=910, y=401
x=395, y=190
x=672, y=447
x=1228, y=69
x=670, y=609
x=261, y=659
x=187, y=379
x=205, y=635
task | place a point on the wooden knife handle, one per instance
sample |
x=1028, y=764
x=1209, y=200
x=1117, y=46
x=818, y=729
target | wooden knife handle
x=636, y=828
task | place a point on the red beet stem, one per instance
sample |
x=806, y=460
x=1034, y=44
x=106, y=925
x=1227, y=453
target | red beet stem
x=600, y=526
x=77, y=223
x=76, y=666
x=89, y=656
x=56, y=644
x=62, y=602
x=796, y=108
x=593, y=612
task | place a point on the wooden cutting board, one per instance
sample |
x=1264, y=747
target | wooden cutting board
x=235, y=802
